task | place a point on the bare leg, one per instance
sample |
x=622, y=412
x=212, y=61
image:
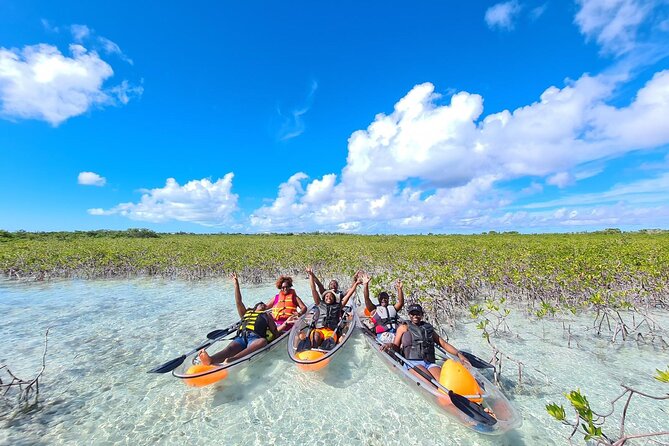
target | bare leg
x=435, y=372
x=253, y=346
x=229, y=350
x=316, y=339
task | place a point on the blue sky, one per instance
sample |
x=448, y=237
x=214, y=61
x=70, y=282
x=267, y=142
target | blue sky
x=365, y=117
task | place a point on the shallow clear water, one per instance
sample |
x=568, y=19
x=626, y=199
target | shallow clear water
x=105, y=335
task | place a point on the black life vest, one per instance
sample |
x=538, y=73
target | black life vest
x=329, y=315
x=422, y=342
x=255, y=321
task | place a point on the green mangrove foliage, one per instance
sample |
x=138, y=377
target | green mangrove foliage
x=600, y=270
x=590, y=423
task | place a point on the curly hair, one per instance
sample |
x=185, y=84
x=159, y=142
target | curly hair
x=282, y=279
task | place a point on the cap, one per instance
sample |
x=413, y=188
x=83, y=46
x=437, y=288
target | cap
x=414, y=307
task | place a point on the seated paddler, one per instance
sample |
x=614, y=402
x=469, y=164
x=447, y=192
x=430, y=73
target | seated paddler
x=384, y=315
x=256, y=330
x=286, y=305
x=327, y=317
x=416, y=340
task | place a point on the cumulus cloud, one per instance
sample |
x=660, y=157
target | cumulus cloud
x=200, y=201
x=614, y=24
x=435, y=165
x=502, y=15
x=39, y=82
x=91, y=179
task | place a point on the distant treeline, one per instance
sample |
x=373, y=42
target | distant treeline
x=607, y=268
x=148, y=233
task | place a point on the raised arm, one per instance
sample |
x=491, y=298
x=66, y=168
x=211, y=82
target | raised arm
x=350, y=292
x=241, y=309
x=314, y=292
x=368, y=302
x=319, y=284
x=400, y=295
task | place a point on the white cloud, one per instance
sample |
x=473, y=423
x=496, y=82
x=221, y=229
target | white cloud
x=91, y=179
x=502, y=15
x=560, y=179
x=613, y=23
x=199, y=201
x=39, y=82
x=434, y=166
x=80, y=32
x=537, y=12
x=644, y=192
x=293, y=125
x=83, y=34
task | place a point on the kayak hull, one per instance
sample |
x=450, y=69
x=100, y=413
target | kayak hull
x=493, y=399
x=195, y=374
x=313, y=360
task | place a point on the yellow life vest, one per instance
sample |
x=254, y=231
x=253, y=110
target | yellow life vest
x=252, y=321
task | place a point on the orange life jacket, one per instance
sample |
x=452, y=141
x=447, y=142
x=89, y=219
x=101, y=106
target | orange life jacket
x=286, y=305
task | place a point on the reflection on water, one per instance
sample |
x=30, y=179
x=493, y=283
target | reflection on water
x=106, y=334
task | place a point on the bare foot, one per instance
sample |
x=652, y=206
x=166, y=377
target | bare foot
x=205, y=359
x=489, y=412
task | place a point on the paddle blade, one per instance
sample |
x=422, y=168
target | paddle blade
x=477, y=362
x=472, y=410
x=169, y=366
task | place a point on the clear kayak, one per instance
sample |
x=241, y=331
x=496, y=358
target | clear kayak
x=313, y=359
x=199, y=375
x=473, y=413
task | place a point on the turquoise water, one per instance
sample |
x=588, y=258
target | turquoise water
x=105, y=335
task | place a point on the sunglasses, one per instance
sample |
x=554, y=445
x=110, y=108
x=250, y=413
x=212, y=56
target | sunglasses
x=415, y=313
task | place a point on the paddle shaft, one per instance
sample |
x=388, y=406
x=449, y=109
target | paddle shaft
x=474, y=360
x=213, y=337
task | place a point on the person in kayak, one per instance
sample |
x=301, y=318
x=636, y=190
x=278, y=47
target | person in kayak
x=256, y=330
x=383, y=315
x=416, y=341
x=286, y=305
x=333, y=286
x=327, y=315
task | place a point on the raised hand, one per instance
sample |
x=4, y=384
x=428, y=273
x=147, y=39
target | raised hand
x=233, y=276
x=398, y=284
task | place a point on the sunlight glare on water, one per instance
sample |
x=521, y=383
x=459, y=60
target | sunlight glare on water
x=105, y=335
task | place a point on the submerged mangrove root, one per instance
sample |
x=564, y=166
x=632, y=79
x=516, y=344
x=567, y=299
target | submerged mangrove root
x=20, y=393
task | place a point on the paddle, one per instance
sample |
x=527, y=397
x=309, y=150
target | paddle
x=176, y=362
x=477, y=362
x=474, y=360
x=469, y=408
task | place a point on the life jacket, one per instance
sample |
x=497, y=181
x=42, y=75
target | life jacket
x=422, y=342
x=385, y=319
x=255, y=321
x=329, y=315
x=285, y=305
